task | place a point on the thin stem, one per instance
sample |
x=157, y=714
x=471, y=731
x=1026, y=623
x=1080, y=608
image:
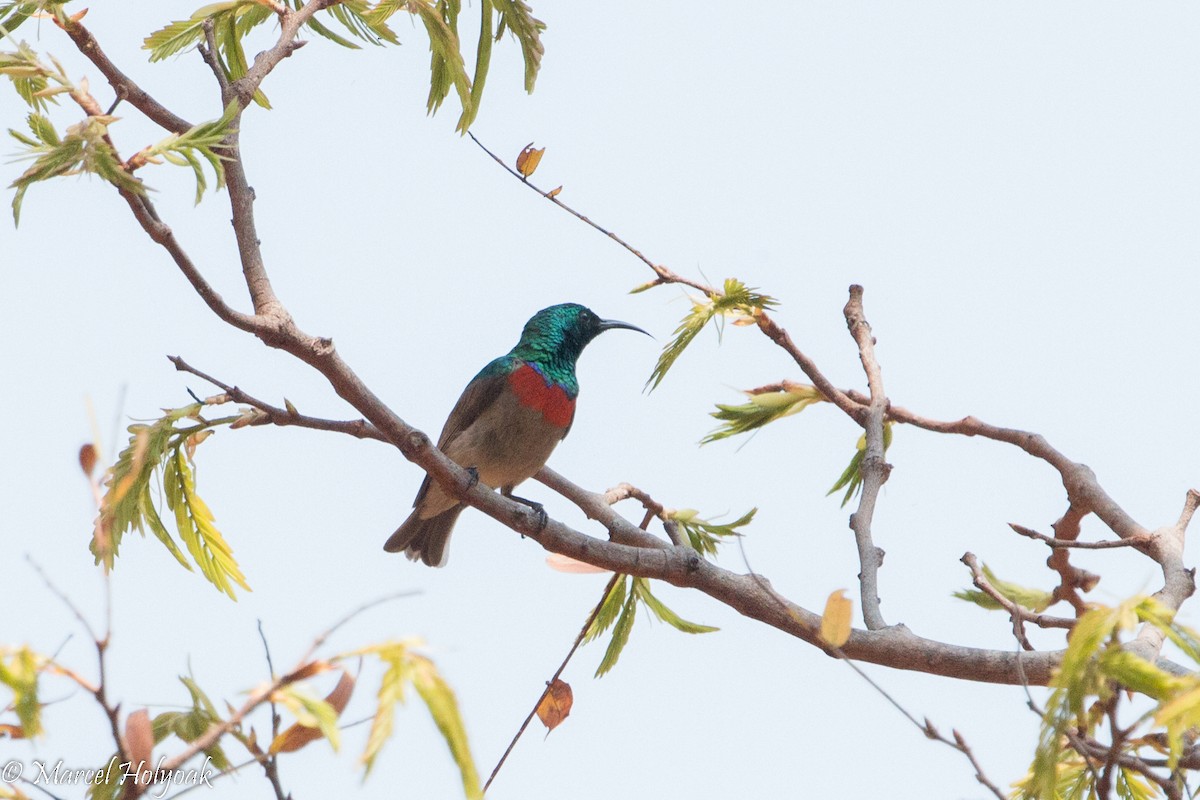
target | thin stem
x=550, y=683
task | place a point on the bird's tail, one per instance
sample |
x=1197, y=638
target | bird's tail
x=424, y=539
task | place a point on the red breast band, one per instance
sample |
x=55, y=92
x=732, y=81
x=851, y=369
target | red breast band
x=551, y=399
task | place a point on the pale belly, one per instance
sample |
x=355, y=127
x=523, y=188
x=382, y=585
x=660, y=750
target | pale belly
x=507, y=445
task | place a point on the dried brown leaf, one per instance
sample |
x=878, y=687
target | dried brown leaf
x=139, y=738
x=556, y=705
x=87, y=459
x=12, y=731
x=297, y=736
x=528, y=160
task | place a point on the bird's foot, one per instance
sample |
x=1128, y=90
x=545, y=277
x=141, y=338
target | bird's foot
x=474, y=473
x=543, y=518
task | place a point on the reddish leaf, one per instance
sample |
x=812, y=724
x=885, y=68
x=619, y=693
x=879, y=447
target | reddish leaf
x=87, y=459
x=297, y=735
x=12, y=731
x=556, y=704
x=139, y=738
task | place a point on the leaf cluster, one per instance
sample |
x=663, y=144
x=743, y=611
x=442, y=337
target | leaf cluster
x=201, y=143
x=350, y=23
x=618, y=610
x=15, y=12
x=166, y=447
x=761, y=409
x=407, y=667
x=30, y=77
x=704, y=535
x=187, y=726
x=738, y=302
x=1033, y=599
x=1095, y=667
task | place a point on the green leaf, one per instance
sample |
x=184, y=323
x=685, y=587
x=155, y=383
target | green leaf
x=446, y=65
x=14, y=13
x=610, y=607
x=85, y=148
x=311, y=711
x=364, y=22
x=706, y=536
x=517, y=17
x=179, y=35
x=1163, y=618
x=391, y=692
x=737, y=301
x=641, y=587
x=443, y=707
x=761, y=409
x=405, y=666
x=208, y=547
x=129, y=479
x=1139, y=675
x=620, y=636
x=191, y=725
x=483, y=58
x=199, y=141
x=30, y=77
x=43, y=130
x=19, y=671
x=1131, y=785
x=1033, y=599
x=851, y=477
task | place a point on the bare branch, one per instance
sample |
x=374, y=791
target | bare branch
x=273, y=415
x=665, y=275
x=125, y=88
x=208, y=52
x=1019, y=614
x=1053, y=542
x=1190, y=503
x=874, y=468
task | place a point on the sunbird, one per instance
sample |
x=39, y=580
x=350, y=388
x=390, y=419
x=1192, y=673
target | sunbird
x=506, y=423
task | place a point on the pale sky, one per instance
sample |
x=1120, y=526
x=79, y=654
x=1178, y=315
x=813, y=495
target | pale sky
x=1016, y=186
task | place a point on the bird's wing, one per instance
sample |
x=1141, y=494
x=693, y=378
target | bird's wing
x=481, y=392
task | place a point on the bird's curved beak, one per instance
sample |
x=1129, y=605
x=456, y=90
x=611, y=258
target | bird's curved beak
x=610, y=324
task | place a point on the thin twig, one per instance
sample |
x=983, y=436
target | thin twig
x=550, y=683
x=273, y=415
x=664, y=275
x=124, y=87
x=264, y=694
x=1014, y=610
x=959, y=743
x=1053, y=542
x=270, y=762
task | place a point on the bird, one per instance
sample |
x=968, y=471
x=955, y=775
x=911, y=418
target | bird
x=506, y=423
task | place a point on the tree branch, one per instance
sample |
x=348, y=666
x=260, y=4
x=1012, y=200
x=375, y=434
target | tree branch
x=874, y=468
x=125, y=87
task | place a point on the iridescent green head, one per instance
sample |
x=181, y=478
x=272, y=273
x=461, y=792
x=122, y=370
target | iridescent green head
x=555, y=336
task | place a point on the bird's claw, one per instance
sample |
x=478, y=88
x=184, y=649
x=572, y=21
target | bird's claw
x=543, y=518
x=474, y=473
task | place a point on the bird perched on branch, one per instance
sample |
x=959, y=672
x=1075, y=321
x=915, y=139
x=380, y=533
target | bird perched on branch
x=507, y=422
